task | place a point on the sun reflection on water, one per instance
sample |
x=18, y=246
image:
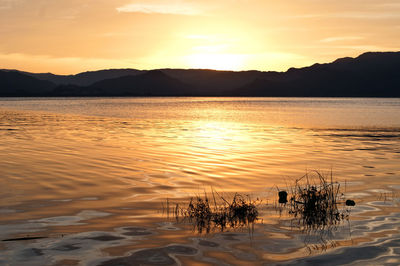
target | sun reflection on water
x=125, y=160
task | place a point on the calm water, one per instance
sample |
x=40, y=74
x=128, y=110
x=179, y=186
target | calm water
x=77, y=170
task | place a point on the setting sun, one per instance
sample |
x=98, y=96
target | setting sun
x=216, y=61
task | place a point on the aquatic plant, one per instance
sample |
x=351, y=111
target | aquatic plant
x=317, y=207
x=240, y=211
x=314, y=202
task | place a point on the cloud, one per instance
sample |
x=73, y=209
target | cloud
x=352, y=15
x=173, y=9
x=6, y=4
x=341, y=38
x=364, y=48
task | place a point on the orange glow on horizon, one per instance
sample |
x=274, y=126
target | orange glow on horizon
x=216, y=61
x=67, y=37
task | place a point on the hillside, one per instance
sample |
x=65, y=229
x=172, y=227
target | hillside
x=373, y=74
x=151, y=83
x=369, y=75
x=15, y=84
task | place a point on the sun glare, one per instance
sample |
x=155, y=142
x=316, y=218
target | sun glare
x=216, y=61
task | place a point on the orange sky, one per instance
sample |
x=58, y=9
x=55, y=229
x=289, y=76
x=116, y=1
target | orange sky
x=70, y=36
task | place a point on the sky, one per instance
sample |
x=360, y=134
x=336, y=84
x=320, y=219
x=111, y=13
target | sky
x=71, y=36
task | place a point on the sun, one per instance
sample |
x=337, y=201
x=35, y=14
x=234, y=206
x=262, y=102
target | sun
x=217, y=61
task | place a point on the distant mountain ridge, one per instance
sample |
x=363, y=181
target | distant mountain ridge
x=84, y=78
x=372, y=74
x=369, y=75
x=16, y=84
x=150, y=83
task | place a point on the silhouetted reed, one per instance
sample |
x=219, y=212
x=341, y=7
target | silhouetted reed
x=317, y=207
x=314, y=202
x=238, y=212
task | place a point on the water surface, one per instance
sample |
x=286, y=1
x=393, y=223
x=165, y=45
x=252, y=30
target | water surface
x=84, y=171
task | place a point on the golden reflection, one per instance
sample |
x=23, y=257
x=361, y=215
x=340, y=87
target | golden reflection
x=218, y=135
x=73, y=173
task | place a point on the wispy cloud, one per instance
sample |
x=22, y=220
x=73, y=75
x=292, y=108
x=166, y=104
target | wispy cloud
x=364, y=47
x=353, y=15
x=6, y=4
x=341, y=38
x=173, y=9
x=390, y=5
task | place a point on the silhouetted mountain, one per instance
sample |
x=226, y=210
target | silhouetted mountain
x=13, y=83
x=84, y=78
x=151, y=83
x=214, y=83
x=371, y=74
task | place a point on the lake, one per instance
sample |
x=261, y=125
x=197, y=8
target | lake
x=91, y=178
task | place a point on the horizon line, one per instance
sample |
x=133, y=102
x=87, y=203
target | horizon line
x=205, y=69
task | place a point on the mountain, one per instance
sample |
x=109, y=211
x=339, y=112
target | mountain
x=369, y=75
x=13, y=83
x=207, y=82
x=373, y=74
x=84, y=78
x=151, y=83
x=215, y=83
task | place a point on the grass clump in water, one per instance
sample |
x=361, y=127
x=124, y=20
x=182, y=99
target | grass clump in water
x=318, y=207
x=238, y=212
x=314, y=201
